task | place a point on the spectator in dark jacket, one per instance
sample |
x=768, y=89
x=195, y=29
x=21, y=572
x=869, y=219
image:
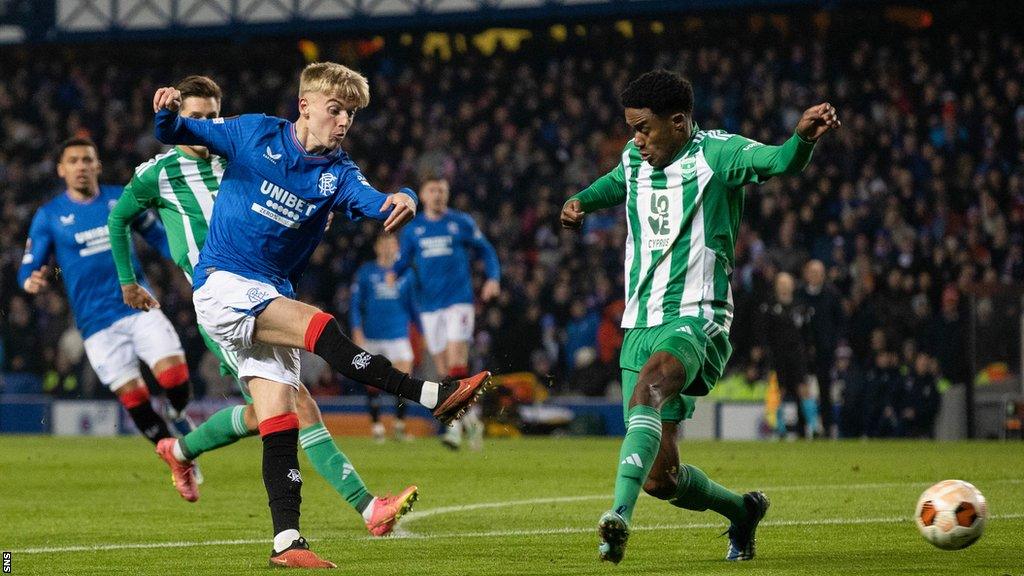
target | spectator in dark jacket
x=824, y=310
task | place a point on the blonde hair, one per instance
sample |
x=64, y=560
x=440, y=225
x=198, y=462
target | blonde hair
x=335, y=80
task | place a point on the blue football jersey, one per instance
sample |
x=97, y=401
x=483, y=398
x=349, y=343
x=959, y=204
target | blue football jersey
x=274, y=198
x=382, y=309
x=76, y=235
x=439, y=253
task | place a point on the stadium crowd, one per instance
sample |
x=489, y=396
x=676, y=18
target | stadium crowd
x=915, y=203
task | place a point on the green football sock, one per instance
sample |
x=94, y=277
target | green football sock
x=639, y=448
x=226, y=426
x=698, y=492
x=331, y=463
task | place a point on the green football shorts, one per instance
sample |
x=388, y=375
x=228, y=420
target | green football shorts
x=228, y=363
x=702, y=347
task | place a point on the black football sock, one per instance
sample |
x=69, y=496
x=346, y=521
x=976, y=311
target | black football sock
x=149, y=423
x=325, y=339
x=281, y=470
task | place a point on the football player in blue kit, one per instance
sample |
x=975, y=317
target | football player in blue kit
x=437, y=245
x=282, y=181
x=381, y=310
x=72, y=229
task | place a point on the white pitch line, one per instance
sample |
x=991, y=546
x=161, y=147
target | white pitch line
x=492, y=533
x=137, y=546
x=654, y=527
x=415, y=515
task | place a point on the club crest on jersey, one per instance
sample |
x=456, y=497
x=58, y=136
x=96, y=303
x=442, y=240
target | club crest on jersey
x=67, y=220
x=453, y=228
x=689, y=168
x=328, y=183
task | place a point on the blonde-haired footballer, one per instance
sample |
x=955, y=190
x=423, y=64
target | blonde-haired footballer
x=282, y=181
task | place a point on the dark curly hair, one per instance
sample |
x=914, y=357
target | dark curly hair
x=663, y=91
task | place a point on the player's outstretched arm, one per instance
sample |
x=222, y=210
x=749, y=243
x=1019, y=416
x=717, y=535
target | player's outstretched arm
x=403, y=209
x=119, y=223
x=221, y=135
x=739, y=161
x=33, y=274
x=607, y=191
x=816, y=121
x=484, y=250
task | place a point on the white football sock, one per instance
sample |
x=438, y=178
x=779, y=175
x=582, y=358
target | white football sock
x=285, y=539
x=178, y=454
x=368, y=511
x=428, y=396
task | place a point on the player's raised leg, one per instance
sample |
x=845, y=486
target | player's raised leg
x=286, y=322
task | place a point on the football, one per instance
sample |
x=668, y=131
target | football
x=951, y=514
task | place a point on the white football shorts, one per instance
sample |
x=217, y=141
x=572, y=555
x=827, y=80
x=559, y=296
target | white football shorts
x=115, y=351
x=451, y=324
x=226, y=307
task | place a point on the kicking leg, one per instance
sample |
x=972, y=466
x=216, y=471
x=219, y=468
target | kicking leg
x=286, y=322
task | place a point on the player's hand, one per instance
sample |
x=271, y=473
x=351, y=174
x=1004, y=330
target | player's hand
x=37, y=281
x=817, y=120
x=404, y=210
x=572, y=215
x=490, y=290
x=330, y=218
x=138, y=297
x=167, y=97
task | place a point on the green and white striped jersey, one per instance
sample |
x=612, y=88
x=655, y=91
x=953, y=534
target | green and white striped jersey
x=182, y=188
x=683, y=220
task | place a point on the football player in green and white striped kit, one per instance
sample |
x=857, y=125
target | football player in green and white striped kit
x=182, y=185
x=683, y=190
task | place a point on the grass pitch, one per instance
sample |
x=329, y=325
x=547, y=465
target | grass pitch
x=520, y=507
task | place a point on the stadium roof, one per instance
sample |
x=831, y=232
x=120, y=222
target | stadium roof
x=105, y=20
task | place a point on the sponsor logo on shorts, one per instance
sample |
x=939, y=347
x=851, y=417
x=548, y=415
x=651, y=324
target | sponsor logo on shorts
x=361, y=361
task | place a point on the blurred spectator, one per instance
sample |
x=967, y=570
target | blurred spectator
x=917, y=400
x=879, y=408
x=778, y=328
x=580, y=332
x=947, y=339
x=824, y=310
